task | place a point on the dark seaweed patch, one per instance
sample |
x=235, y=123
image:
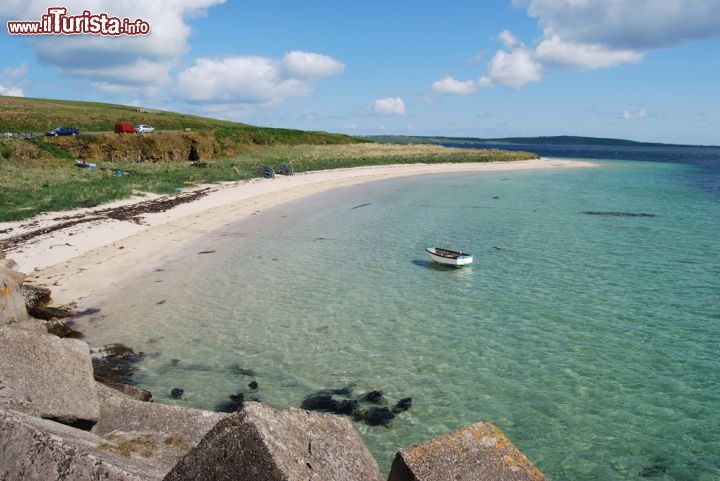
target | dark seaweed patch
x=617, y=213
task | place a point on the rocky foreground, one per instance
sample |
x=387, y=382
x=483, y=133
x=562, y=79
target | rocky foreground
x=58, y=422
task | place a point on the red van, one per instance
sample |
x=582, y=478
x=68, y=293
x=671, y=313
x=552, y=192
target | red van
x=124, y=128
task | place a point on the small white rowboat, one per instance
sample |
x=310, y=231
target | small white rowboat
x=448, y=257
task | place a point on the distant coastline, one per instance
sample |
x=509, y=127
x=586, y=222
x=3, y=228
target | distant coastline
x=558, y=140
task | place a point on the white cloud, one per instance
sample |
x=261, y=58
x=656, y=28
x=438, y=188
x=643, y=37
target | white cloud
x=253, y=79
x=553, y=50
x=123, y=61
x=514, y=69
x=593, y=34
x=12, y=79
x=308, y=64
x=628, y=24
x=449, y=85
x=11, y=91
x=640, y=113
x=509, y=39
x=389, y=106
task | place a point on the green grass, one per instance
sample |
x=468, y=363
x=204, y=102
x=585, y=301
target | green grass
x=28, y=188
x=26, y=115
x=39, y=175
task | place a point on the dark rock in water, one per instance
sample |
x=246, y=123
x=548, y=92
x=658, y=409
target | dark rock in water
x=319, y=402
x=340, y=401
x=374, y=397
x=328, y=404
x=46, y=313
x=375, y=416
x=60, y=329
x=232, y=404
x=253, y=385
x=618, y=213
x=114, y=363
x=177, y=392
x=35, y=296
x=237, y=370
x=402, y=405
x=346, y=406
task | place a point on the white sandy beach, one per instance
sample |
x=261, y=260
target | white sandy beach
x=80, y=260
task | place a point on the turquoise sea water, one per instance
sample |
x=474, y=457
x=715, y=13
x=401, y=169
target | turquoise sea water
x=591, y=340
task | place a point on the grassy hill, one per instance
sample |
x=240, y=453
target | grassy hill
x=38, y=173
x=97, y=141
x=20, y=114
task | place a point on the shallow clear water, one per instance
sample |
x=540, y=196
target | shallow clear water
x=590, y=340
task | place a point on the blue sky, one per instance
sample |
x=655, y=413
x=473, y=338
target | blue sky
x=644, y=70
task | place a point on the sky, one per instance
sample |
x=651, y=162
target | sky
x=645, y=70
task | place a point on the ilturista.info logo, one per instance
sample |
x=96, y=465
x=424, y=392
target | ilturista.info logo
x=57, y=22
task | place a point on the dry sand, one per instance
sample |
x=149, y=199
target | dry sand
x=81, y=259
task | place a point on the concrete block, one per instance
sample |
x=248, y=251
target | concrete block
x=263, y=444
x=34, y=449
x=479, y=452
x=12, y=303
x=46, y=376
x=119, y=413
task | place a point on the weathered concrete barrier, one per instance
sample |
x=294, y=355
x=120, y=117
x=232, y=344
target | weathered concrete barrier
x=263, y=444
x=44, y=375
x=479, y=452
x=33, y=449
x=188, y=426
x=12, y=303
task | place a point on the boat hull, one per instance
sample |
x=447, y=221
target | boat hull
x=448, y=257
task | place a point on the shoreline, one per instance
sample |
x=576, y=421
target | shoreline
x=80, y=252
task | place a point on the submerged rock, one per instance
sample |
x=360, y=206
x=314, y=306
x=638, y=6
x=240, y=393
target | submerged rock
x=375, y=397
x=340, y=401
x=402, y=405
x=231, y=404
x=375, y=416
x=46, y=313
x=35, y=296
x=114, y=363
x=60, y=329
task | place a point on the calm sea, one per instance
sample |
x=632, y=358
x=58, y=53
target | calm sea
x=588, y=328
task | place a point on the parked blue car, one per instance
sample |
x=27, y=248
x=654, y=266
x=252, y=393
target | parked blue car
x=63, y=131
